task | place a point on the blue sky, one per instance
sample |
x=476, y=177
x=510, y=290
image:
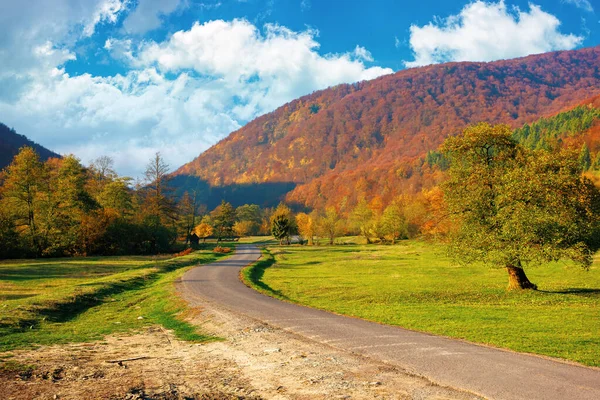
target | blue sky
x=127, y=78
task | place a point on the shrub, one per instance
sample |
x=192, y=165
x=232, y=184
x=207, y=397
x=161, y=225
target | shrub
x=223, y=250
x=183, y=253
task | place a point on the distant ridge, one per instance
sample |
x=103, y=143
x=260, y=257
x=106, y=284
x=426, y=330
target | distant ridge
x=11, y=142
x=366, y=139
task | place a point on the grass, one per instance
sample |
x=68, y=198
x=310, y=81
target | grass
x=73, y=300
x=258, y=240
x=414, y=285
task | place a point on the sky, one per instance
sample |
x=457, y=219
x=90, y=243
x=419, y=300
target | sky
x=128, y=78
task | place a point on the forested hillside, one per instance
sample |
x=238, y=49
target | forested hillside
x=11, y=142
x=367, y=138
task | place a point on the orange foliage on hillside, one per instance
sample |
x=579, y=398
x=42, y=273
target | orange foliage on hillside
x=367, y=139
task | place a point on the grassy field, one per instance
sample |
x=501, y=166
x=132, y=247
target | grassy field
x=414, y=285
x=68, y=300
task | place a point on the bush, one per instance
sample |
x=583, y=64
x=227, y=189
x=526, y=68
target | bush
x=183, y=253
x=223, y=250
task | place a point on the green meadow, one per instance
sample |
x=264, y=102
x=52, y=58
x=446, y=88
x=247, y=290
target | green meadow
x=48, y=301
x=416, y=286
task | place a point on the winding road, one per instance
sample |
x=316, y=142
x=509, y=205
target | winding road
x=485, y=371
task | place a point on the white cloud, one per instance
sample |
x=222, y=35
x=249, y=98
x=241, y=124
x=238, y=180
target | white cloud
x=148, y=14
x=179, y=96
x=363, y=54
x=262, y=70
x=583, y=4
x=488, y=31
x=106, y=11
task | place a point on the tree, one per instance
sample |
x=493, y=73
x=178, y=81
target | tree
x=512, y=207
x=243, y=228
x=158, y=193
x=203, y=230
x=585, y=158
x=250, y=214
x=223, y=218
x=329, y=224
x=103, y=166
x=187, y=209
x=282, y=222
x=23, y=184
x=67, y=203
x=281, y=227
x=116, y=196
x=8, y=237
x=362, y=219
x=394, y=222
x=306, y=227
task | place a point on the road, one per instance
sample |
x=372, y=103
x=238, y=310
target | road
x=488, y=372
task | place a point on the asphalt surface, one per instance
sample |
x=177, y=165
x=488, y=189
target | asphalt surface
x=488, y=372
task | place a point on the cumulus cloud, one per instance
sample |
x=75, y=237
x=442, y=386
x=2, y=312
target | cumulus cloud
x=488, y=31
x=178, y=96
x=263, y=70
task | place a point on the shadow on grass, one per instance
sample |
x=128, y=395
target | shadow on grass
x=253, y=276
x=65, y=311
x=15, y=296
x=584, y=292
x=54, y=270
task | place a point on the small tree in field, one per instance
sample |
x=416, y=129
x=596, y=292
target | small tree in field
x=242, y=228
x=280, y=227
x=329, y=224
x=203, y=230
x=394, y=222
x=513, y=207
x=306, y=227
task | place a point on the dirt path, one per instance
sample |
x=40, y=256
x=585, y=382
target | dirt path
x=255, y=361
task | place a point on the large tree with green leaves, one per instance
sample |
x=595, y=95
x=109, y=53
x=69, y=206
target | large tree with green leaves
x=512, y=207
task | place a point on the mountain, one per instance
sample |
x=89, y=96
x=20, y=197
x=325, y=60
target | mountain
x=370, y=138
x=11, y=142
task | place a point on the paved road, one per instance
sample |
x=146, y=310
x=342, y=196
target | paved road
x=491, y=373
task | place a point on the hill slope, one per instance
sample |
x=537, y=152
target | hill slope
x=11, y=142
x=353, y=140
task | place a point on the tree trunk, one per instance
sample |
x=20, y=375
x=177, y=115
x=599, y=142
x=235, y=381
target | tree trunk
x=517, y=280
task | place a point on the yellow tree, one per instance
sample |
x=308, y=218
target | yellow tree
x=306, y=227
x=242, y=228
x=203, y=230
x=22, y=192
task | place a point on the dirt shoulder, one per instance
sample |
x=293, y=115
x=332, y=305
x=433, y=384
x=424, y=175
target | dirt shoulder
x=254, y=361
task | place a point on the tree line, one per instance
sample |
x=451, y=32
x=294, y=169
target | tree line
x=63, y=208
x=500, y=202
